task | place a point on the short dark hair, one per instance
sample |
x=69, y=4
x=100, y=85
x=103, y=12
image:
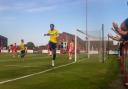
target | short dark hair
x=22, y=40
x=52, y=24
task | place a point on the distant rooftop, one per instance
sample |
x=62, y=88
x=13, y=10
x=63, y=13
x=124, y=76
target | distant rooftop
x=3, y=37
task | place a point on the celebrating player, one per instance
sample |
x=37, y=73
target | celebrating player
x=53, y=33
x=22, y=49
x=71, y=49
x=14, y=50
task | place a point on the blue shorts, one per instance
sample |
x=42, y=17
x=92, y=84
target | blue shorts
x=52, y=45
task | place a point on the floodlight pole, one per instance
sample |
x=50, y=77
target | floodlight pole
x=87, y=41
x=86, y=18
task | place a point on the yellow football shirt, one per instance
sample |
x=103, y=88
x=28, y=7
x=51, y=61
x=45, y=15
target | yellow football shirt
x=22, y=46
x=53, y=35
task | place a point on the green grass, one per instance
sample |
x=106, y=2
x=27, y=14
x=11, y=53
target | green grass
x=86, y=74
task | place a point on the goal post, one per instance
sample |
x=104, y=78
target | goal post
x=81, y=49
x=75, y=46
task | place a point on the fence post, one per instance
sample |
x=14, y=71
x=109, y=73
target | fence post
x=102, y=43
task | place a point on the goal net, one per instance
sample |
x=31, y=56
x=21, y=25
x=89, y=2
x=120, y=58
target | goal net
x=89, y=45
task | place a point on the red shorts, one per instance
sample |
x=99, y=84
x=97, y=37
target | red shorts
x=14, y=51
x=70, y=50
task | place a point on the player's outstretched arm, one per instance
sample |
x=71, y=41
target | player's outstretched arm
x=46, y=34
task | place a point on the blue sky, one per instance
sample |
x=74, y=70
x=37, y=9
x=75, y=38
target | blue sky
x=30, y=19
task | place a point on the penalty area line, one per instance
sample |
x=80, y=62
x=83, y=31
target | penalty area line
x=26, y=76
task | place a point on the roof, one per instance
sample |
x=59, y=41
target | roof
x=3, y=37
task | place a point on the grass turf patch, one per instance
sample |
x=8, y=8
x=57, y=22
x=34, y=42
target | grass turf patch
x=87, y=74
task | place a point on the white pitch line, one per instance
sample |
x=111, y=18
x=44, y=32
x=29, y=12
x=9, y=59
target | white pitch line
x=26, y=76
x=16, y=66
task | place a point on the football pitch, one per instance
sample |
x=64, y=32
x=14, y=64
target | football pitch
x=36, y=72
